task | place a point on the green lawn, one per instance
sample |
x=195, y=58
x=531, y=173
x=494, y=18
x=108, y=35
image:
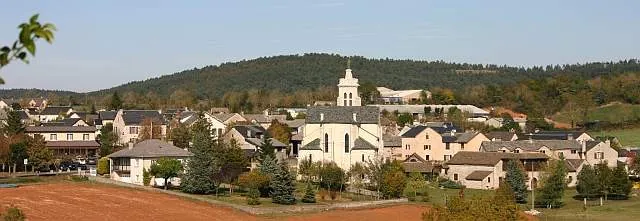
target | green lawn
x=627, y=137
x=614, y=113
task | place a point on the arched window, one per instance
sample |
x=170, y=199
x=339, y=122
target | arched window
x=326, y=142
x=345, y=95
x=350, y=95
x=350, y=103
x=346, y=143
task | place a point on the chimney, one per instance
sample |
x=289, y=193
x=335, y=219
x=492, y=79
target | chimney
x=170, y=142
x=584, y=147
x=355, y=117
x=321, y=117
x=130, y=145
x=569, y=136
x=453, y=132
x=248, y=133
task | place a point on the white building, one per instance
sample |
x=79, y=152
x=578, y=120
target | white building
x=344, y=134
x=389, y=96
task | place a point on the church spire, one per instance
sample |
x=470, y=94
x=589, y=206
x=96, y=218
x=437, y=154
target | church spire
x=349, y=63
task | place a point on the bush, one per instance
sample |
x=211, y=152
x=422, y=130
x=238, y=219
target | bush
x=103, y=166
x=309, y=195
x=323, y=194
x=255, y=180
x=411, y=198
x=253, y=197
x=450, y=184
x=13, y=214
x=393, y=180
x=79, y=178
x=146, y=177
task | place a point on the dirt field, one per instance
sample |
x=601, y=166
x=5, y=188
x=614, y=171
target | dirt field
x=76, y=201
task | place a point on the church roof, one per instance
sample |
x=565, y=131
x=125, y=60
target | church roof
x=313, y=145
x=361, y=144
x=343, y=115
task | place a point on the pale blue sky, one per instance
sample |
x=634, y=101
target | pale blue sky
x=101, y=44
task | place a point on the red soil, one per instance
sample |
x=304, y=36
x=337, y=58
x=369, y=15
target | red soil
x=76, y=201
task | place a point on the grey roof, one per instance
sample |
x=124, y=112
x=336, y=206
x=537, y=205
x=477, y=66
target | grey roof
x=489, y=158
x=63, y=122
x=478, y=175
x=41, y=129
x=258, y=142
x=551, y=135
x=295, y=123
x=313, y=145
x=361, y=144
x=413, y=132
x=459, y=137
x=76, y=144
x=261, y=118
x=343, y=115
x=107, y=115
x=55, y=110
x=223, y=117
x=530, y=145
x=135, y=117
x=23, y=115
x=592, y=144
x=392, y=141
x=152, y=148
x=500, y=135
x=250, y=131
x=573, y=165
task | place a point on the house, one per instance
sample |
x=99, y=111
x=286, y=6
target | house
x=38, y=103
x=218, y=127
x=389, y=96
x=219, y=110
x=502, y=136
x=8, y=103
x=127, y=165
x=438, y=143
x=51, y=113
x=593, y=152
x=392, y=147
x=557, y=135
x=296, y=127
x=485, y=170
x=107, y=117
x=67, y=141
x=416, y=164
x=344, y=134
x=418, y=111
x=87, y=117
x=128, y=124
x=265, y=118
x=293, y=112
x=250, y=138
x=494, y=122
x=73, y=122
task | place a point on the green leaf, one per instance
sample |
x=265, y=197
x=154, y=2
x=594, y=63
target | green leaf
x=31, y=47
x=1, y=81
x=5, y=49
x=22, y=55
x=34, y=18
x=49, y=27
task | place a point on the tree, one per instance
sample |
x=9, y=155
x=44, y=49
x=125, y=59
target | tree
x=181, y=136
x=231, y=161
x=517, y=178
x=146, y=177
x=268, y=166
x=266, y=149
x=605, y=176
x=588, y=183
x=283, y=186
x=620, y=183
x=279, y=131
x=202, y=166
x=14, y=123
x=17, y=153
x=393, y=179
x=404, y=119
x=332, y=177
x=93, y=109
x=415, y=183
x=30, y=32
x=553, y=185
x=166, y=168
x=357, y=174
x=108, y=139
x=375, y=173
x=150, y=129
x=103, y=166
x=499, y=207
x=39, y=155
x=116, y=102
x=309, y=194
x=306, y=169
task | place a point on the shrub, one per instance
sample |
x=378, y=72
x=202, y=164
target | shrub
x=450, y=184
x=255, y=180
x=13, y=214
x=79, y=178
x=103, y=166
x=146, y=177
x=323, y=194
x=253, y=197
x=309, y=195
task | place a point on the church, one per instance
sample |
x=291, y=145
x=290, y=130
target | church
x=345, y=134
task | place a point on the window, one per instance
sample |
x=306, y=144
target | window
x=446, y=146
x=570, y=179
x=599, y=155
x=133, y=130
x=455, y=176
x=427, y=147
x=69, y=136
x=426, y=157
x=560, y=154
x=543, y=151
x=362, y=157
x=345, y=102
x=407, y=147
x=345, y=95
x=461, y=146
x=350, y=103
x=350, y=95
x=310, y=158
x=488, y=179
x=574, y=151
x=326, y=143
x=426, y=136
x=53, y=137
x=85, y=137
x=346, y=143
x=447, y=157
x=516, y=151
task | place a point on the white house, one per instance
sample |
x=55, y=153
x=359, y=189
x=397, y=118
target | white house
x=71, y=141
x=128, y=123
x=389, y=96
x=344, y=134
x=51, y=113
x=127, y=165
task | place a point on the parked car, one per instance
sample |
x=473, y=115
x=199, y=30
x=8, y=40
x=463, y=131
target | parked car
x=92, y=161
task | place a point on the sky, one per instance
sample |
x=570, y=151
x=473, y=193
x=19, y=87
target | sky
x=101, y=44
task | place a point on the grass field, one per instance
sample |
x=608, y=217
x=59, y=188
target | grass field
x=627, y=137
x=613, y=113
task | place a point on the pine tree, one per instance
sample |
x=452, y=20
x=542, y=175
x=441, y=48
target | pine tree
x=516, y=178
x=309, y=195
x=116, y=102
x=605, y=176
x=180, y=136
x=269, y=167
x=620, y=183
x=266, y=149
x=553, y=185
x=588, y=183
x=202, y=166
x=14, y=124
x=283, y=186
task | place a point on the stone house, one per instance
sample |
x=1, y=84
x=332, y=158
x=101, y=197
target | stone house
x=438, y=143
x=128, y=124
x=67, y=141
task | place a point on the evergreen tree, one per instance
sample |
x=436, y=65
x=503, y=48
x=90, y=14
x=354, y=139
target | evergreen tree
x=588, y=183
x=181, y=136
x=39, y=155
x=266, y=149
x=620, y=183
x=605, y=176
x=14, y=124
x=309, y=194
x=116, y=102
x=516, y=178
x=93, y=109
x=283, y=186
x=268, y=166
x=108, y=139
x=202, y=166
x=553, y=184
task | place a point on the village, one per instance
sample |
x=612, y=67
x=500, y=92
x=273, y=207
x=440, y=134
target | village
x=130, y=146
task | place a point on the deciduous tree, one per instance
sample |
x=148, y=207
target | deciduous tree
x=166, y=168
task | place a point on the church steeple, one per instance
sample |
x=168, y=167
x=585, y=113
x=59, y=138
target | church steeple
x=348, y=89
